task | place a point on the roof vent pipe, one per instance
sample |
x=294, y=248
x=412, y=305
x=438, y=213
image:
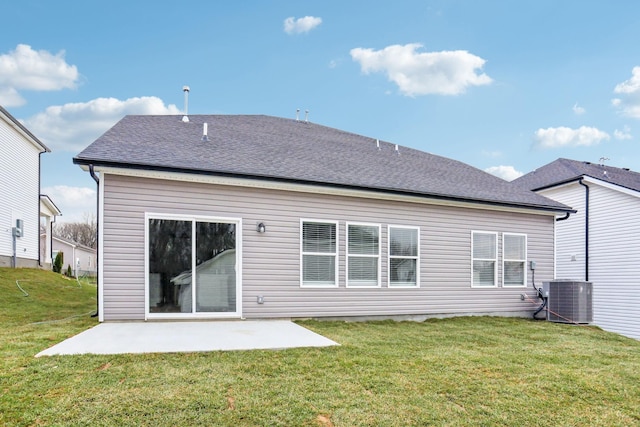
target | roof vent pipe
x=397, y=152
x=306, y=116
x=297, y=114
x=378, y=144
x=186, y=90
x=205, y=137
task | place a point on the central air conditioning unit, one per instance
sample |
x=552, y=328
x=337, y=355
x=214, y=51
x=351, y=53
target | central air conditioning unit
x=570, y=301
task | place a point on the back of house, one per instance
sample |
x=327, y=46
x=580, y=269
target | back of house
x=222, y=216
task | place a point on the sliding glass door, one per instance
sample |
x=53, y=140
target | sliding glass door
x=192, y=267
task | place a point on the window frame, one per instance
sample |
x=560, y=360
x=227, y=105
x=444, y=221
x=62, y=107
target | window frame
x=495, y=260
x=523, y=261
x=377, y=256
x=336, y=224
x=390, y=257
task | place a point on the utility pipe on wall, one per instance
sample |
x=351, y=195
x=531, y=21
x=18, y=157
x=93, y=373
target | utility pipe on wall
x=97, y=180
x=586, y=230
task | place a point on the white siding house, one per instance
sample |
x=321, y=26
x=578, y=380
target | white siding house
x=19, y=192
x=48, y=213
x=601, y=242
x=264, y=217
x=83, y=260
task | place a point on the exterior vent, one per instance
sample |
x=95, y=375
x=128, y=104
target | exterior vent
x=570, y=301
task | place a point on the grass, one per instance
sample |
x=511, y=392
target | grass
x=481, y=371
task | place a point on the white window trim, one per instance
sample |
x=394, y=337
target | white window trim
x=524, y=261
x=302, y=253
x=390, y=257
x=495, y=260
x=194, y=219
x=378, y=255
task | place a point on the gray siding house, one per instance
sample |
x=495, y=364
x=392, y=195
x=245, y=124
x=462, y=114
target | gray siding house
x=249, y=216
x=601, y=242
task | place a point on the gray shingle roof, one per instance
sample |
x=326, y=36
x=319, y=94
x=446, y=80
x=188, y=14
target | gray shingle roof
x=565, y=170
x=265, y=147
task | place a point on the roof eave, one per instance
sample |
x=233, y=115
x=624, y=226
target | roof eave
x=442, y=197
x=20, y=128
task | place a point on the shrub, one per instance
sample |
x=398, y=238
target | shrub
x=69, y=273
x=57, y=263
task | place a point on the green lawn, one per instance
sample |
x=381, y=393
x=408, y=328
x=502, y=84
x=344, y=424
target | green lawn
x=468, y=371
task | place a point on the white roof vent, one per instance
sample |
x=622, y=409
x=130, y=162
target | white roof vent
x=186, y=90
x=205, y=137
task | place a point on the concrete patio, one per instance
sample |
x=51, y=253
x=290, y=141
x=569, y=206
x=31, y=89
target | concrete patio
x=178, y=337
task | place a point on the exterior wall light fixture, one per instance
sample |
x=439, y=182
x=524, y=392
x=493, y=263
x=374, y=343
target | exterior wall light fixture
x=261, y=228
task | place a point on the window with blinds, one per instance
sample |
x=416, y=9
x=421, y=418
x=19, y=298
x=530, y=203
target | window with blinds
x=319, y=253
x=403, y=256
x=484, y=254
x=363, y=255
x=514, y=259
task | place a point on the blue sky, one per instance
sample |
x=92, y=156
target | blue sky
x=506, y=86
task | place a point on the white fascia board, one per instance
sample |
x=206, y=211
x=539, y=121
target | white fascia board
x=314, y=189
x=611, y=186
x=18, y=127
x=48, y=207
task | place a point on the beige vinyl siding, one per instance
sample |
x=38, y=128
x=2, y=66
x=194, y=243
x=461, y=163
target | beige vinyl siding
x=20, y=196
x=271, y=260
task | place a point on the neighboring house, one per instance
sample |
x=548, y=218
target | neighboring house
x=304, y=221
x=20, y=200
x=82, y=259
x=601, y=242
x=48, y=213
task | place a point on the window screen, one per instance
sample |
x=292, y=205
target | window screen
x=484, y=258
x=319, y=253
x=403, y=256
x=363, y=255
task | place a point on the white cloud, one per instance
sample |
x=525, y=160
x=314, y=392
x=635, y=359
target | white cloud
x=424, y=73
x=301, y=25
x=508, y=173
x=578, y=110
x=623, y=134
x=493, y=154
x=629, y=101
x=27, y=69
x=567, y=137
x=9, y=97
x=72, y=127
x=73, y=202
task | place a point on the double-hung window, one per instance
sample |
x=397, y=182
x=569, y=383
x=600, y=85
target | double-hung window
x=363, y=255
x=319, y=253
x=404, y=256
x=514, y=259
x=484, y=247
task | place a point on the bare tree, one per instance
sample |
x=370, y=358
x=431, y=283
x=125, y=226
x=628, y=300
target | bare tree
x=85, y=232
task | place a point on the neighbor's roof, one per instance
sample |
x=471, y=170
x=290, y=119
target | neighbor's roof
x=272, y=148
x=46, y=201
x=12, y=121
x=564, y=170
x=72, y=243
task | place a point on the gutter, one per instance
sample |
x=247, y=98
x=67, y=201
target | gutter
x=434, y=196
x=586, y=229
x=38, y=222
x=97, y=180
